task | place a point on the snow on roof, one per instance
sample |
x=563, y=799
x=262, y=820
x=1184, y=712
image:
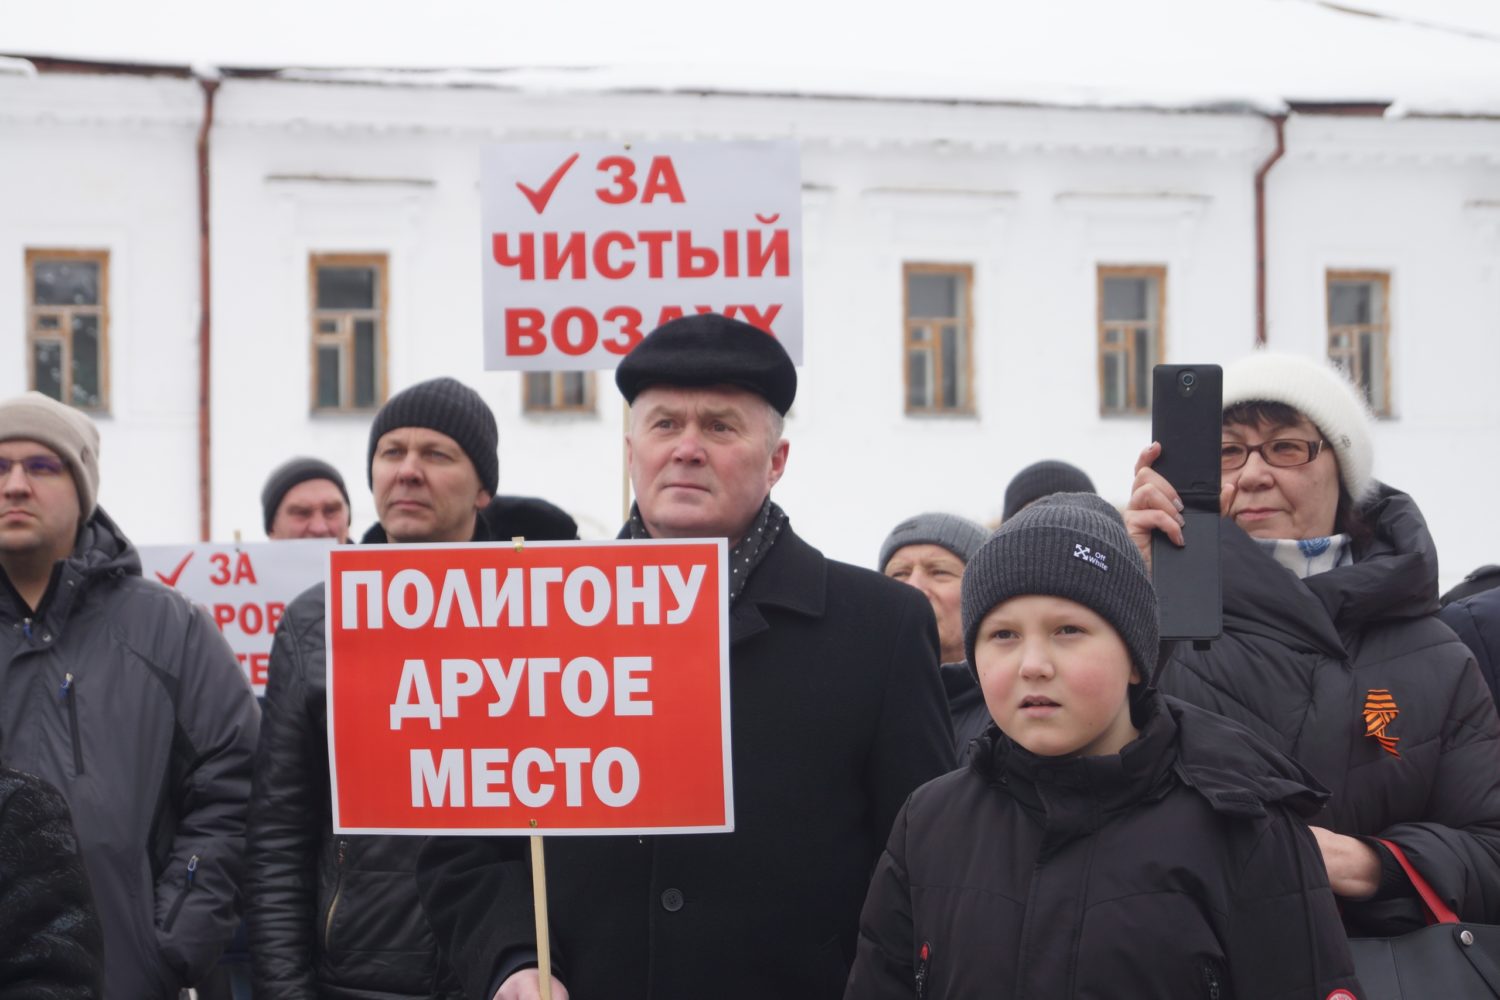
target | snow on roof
x=1421, y=56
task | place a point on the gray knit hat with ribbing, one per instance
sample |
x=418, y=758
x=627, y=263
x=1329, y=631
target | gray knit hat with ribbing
x=1071, y=545
x=958, y=535
x=290, y=473
x=449, y=407
x=1042, y=479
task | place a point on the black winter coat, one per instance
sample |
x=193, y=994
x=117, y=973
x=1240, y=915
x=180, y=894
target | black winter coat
x=50, y=943
x=1298, y=664
x=330, y=917
x=1476, y=619
x=836, y=715
x=966, y=708
x=1178, y=868
x=124, y=695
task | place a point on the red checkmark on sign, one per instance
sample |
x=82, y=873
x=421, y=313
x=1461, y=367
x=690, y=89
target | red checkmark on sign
x=170, y=579
x=543, y=194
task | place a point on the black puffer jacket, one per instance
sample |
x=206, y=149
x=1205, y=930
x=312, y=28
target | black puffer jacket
x=966, y=708
x=1298, y=664
x=50, y=932
x=330, y=917
x=124, y=695
x=1476, y=619
x=1175, y=869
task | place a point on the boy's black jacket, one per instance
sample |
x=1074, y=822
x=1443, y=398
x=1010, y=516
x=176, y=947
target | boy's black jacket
x=1180, y=867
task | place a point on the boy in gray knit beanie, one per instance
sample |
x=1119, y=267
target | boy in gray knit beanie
x=1059, y=619
x=1131, y=824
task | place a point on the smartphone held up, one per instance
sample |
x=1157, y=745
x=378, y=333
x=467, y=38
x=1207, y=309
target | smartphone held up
x=1186, y=419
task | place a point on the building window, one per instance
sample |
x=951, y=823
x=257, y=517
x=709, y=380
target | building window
x=559, y=392
x=937, y=347
x=67, y=326
x=1131, y=306
x=1359, y=332
x=348, y=330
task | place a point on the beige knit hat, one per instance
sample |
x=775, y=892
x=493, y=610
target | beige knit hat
x=35, y=417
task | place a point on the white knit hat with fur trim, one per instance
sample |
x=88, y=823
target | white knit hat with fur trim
x=1320, y=392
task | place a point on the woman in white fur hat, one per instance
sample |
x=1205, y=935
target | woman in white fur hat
x=1331, y=648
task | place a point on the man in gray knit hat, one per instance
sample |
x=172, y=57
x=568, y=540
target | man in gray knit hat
x=357, y=928
x=305, y=498
x=126, y=697
x=929, y=552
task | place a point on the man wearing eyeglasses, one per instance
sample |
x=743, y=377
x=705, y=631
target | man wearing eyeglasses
x=125, y=696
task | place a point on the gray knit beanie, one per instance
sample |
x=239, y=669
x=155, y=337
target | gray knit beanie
x=449, y=407
x=958, y=535
x=1042, y=479
x=32, y=416
x=1070, y=545
x=293, y=472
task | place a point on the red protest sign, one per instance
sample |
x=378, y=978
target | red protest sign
x=561, y=687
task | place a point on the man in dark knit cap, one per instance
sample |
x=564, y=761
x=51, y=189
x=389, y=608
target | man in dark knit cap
x=305, y=498
x=837, y=714
x=930, y=552
x=339, y=916
x=1041, y=479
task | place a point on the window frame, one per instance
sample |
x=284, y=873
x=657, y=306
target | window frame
x=965, y=321
x=555, y=382
x=1381, y=331
x=65, y=330
x=1141, y=398
x=343, y=338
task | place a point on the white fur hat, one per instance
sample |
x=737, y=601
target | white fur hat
x=1322, y=394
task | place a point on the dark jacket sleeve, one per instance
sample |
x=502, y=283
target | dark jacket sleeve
x=197, y=902
x=476, y=892
x=1457, y=846
x=286, y=816
x=914, y=737
x=1285, y=937
x=51, y=940
x=1477, y=621
x=884, y=966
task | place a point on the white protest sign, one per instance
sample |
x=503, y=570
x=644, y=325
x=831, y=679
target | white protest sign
x=588, y=247
x=246, y=587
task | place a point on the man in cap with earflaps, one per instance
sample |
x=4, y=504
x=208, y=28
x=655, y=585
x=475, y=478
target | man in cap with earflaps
x=837, y=714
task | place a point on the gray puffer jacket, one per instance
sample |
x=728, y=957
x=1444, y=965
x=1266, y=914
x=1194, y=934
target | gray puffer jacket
x=1300, y=664
x=124, y=695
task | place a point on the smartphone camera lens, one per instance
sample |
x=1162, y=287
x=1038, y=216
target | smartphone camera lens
x=1188, y=380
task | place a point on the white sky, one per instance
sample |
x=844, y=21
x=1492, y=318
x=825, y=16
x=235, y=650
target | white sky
x=1157, y=52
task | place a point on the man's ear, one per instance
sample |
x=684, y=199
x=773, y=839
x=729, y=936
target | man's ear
x=482, y=500
x=778, y=462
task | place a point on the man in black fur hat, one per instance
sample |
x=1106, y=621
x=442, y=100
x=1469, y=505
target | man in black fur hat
x=837, y=714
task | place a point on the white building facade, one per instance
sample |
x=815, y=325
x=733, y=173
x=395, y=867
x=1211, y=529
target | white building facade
x=1055, y=236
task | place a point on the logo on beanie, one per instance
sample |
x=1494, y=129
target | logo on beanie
x=1088, y=555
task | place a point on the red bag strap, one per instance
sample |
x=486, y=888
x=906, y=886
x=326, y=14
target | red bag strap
x=1437, y=910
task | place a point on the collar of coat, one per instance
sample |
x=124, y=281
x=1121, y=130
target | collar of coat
x=1236, y=772
x=1394, y=576
x=793, y=577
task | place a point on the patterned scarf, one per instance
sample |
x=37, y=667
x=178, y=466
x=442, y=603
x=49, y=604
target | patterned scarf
x=744, y=557
x=1307, y=557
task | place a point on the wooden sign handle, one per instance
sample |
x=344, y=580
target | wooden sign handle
x=539, y=901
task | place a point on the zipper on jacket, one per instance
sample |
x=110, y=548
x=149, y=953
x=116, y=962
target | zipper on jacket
x=1211, y=980
x=924, y=955
x=66, y=694
x=338, y=887
x=26, y=627
x=187, y=887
